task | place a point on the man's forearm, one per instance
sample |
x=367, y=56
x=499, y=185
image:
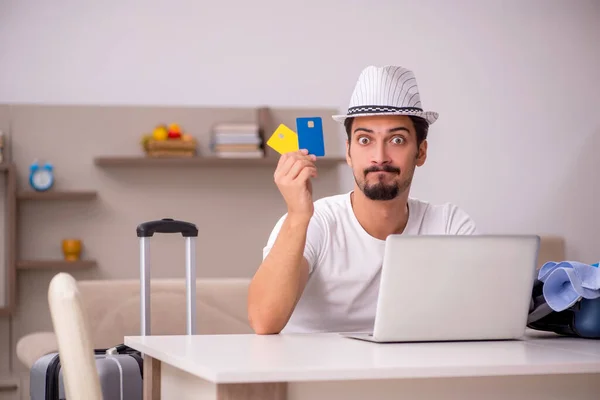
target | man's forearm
x=280, y=279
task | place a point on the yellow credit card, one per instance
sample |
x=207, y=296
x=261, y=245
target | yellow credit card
x=283, y=140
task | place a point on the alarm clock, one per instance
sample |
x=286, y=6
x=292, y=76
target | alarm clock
x=41, y=176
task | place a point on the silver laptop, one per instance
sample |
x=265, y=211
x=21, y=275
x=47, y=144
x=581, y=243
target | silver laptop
x=454, y=288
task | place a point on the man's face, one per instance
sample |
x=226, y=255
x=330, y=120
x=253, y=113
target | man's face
x=383, y=155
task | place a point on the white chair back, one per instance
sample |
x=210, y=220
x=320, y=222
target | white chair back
x=75, y=346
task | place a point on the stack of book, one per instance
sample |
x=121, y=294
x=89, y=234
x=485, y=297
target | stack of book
x=237, y=140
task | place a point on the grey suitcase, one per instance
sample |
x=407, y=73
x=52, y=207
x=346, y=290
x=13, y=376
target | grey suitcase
x=120, y=375
x=121, y=368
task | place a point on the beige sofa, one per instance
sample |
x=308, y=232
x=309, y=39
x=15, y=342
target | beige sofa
x=113, y=308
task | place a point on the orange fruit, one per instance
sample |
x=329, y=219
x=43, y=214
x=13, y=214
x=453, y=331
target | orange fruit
x=174, y=128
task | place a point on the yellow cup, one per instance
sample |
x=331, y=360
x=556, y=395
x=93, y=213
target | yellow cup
x=71, y=249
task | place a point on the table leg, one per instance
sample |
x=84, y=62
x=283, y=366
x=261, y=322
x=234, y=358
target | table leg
x=151, y=378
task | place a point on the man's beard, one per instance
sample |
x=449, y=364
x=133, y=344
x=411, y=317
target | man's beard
x=380, y=190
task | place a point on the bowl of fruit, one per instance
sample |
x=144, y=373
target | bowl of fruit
x=169, y=141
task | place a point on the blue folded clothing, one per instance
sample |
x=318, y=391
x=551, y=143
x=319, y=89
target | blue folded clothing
x=565, y=283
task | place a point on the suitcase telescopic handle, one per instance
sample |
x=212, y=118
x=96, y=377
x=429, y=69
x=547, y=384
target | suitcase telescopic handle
x=189, y=231
x=167, y=225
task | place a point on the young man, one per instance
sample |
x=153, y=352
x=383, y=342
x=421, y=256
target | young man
x=322, y=262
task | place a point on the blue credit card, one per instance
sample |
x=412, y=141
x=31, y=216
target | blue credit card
x=310, y=135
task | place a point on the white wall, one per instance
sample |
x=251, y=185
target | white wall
x=516, y=82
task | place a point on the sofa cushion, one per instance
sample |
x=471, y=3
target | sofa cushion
x=114, y=307
x=167, y=318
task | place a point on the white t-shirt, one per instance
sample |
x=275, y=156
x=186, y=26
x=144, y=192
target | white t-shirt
x=345, y=262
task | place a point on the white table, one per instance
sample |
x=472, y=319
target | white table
x=328, y=366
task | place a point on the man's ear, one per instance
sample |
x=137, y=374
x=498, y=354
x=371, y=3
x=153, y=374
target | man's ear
x=422, y=154
x=348, y=160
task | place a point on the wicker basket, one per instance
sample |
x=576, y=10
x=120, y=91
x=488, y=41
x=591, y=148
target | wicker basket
x=171, y=148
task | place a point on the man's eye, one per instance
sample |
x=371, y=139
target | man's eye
x=398, y=140
x=363, y=140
